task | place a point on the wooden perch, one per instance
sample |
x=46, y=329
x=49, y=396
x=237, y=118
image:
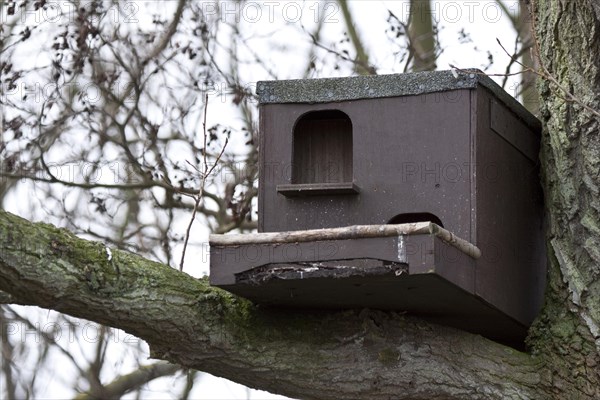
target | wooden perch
x=345, y=233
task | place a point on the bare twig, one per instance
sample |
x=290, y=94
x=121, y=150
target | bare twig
x=470, y=71
x=357, y=63
x=545, y=74
x=203, y=176
x=409, y=45
x=512, y=61
x=169, y=33
x=542, y=73
x=127, y=383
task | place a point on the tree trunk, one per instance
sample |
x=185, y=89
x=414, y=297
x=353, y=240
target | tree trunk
x=568, y=331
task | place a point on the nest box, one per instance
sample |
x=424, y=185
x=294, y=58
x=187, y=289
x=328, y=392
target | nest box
x=415, y=192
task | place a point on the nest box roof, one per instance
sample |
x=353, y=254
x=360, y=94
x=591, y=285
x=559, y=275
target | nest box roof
x=377, y=86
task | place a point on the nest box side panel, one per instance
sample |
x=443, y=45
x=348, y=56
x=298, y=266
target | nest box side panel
x=511, y=273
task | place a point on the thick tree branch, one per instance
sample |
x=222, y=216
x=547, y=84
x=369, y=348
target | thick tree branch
x=422, y=36
x=325, y=355
x=363, y=67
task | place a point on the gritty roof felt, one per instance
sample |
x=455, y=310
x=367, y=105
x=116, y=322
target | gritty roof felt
x=376, y=86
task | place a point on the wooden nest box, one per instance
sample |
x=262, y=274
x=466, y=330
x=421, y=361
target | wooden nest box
x=415, y=192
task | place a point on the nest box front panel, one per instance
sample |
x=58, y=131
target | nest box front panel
x=371, y=161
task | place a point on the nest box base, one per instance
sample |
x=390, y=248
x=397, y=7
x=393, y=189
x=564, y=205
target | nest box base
x=420, y=269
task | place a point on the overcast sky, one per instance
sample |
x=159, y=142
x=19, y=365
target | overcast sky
x=274, y=29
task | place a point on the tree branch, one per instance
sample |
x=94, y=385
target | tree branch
x=363, y=67
x=325, y=355
x=422, y=36
x=7, y=298
x=164, y=41
x=126, y=383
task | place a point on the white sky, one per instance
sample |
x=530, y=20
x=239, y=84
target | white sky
x=273, y=31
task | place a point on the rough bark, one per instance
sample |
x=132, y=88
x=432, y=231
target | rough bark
x=567, y=332
x=334, y=355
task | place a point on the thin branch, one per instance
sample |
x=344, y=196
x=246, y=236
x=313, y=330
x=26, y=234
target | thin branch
x=512, y=60
x=189, y=384
x=335, y=52
x=7, y=358
x=204, y=176
x=48, y=339
x=311, y=54
x=543, y=73
x=169, y=33
x=514, y=19
x=134, y=380
x=470, y=71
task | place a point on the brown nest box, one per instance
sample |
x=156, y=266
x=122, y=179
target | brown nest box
x=416, y=192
